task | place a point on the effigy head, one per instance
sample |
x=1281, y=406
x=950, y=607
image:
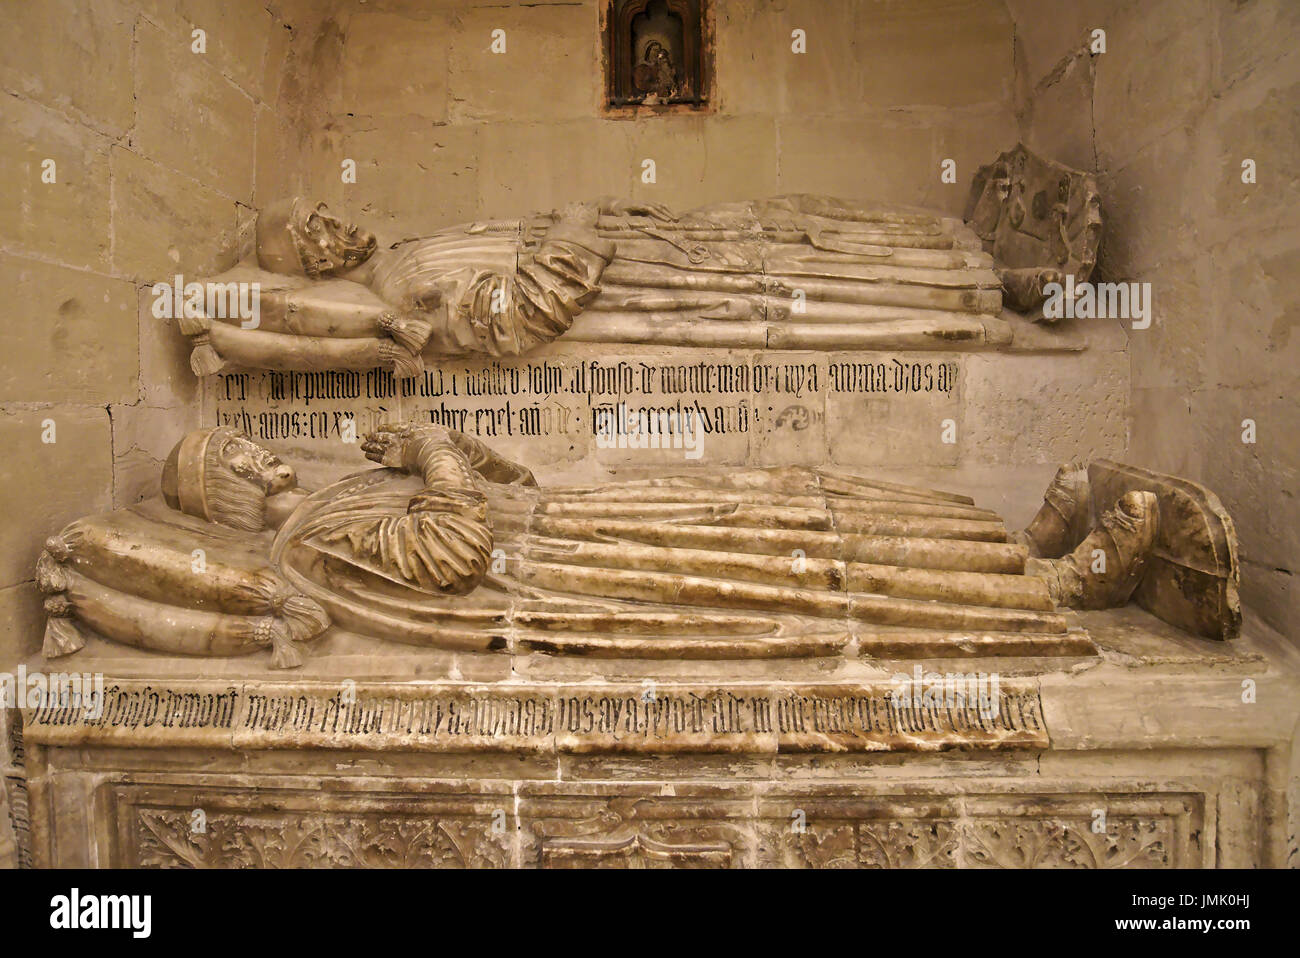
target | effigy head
x=297, y=238
x=224, y=477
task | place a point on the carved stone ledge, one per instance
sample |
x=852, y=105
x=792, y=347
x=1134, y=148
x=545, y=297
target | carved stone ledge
x=554, y=825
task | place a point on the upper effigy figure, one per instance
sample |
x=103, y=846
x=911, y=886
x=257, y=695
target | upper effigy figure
x=792, y=272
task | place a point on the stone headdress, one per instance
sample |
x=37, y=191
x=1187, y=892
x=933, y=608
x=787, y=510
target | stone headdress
x=184, y=474
x=279, y=237
x=196, y=482
x=284, y=246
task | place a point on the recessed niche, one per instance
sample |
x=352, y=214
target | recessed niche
x=658, y=54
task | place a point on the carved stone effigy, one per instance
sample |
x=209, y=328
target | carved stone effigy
x=1039, y=219
x=793, y=666
x=451, y=546
x=793, y=272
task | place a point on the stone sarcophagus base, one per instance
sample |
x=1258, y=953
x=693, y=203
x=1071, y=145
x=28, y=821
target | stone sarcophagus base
x=1161, y=752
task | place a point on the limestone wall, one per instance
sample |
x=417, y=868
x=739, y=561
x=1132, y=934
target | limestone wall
x=1185, y=92
x=444, y=130
x=156, y=150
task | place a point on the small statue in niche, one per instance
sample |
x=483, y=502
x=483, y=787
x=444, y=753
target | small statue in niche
x=657, y=53
x=655, y=75
x=450, y=545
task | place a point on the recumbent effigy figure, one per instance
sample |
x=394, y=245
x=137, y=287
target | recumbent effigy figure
x=449, y=545
x=792, y=272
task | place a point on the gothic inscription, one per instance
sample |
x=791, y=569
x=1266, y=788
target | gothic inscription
x=730, y=407
x=556, y=719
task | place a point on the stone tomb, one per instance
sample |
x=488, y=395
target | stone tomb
x=677, y=586
x=376, y=756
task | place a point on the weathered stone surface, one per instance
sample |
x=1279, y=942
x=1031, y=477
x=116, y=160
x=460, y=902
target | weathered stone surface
x=238, y=37
x=22, y=622
x=273, y=174
x=166, y=379
x=43, y=39
x=970, y=139
x=695, y=160
x=75, y=332
x=759, y=72
x=413, y=75
x=439, y=163
x=1171, y=352
x=37, y=214
x=536, y=77
x=1258, y=122
x=1138, y=96
x=195, y=238
x=1253, y=37
x=566, y=160
x=191, y=118
x=1045, y=417
x=840, y=156
x=909, y=404
x=79, y=456
x=933, y=53
x=1256, y=472
x=1254, y=312
x=1149, y=199
x=1061, y=125
x=1048, y=31
x=142, y=438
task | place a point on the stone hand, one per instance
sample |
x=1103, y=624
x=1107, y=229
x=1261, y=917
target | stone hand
x=393, y=444
x=657, y=211
x=580, y=214
x=490, y=465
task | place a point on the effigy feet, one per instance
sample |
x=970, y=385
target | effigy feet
x=1105, y=568
x=1065, y=516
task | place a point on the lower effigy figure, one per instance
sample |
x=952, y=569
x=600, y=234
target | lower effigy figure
x=447, y=544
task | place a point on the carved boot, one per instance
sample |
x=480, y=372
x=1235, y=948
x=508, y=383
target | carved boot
x=1103, y=571
x=1065, y=516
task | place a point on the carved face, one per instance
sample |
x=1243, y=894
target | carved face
x=297, y=238
x=239, y=476
x=327, y=244
x=247, y=460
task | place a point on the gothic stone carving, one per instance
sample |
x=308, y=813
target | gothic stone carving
x=794, y=272
x=450, y=545
x=1039, y=219
x=791, y=272
x=978, y=832
x=544, y=719
x=695, y=825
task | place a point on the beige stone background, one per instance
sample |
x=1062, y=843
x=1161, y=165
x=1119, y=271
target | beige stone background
x=1186, y=90
x=164, y=155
